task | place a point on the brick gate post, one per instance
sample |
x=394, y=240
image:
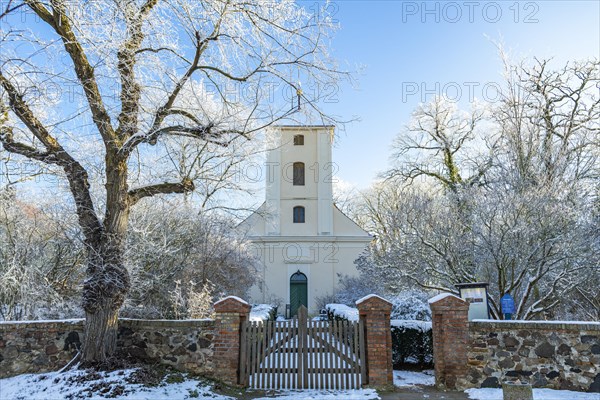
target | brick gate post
x=375, y=311
x=230, y=313
x=450, y=326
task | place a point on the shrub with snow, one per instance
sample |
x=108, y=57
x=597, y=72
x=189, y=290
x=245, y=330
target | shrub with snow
x=412, y=343
x=410, y=305
x=341, y=312
x=412, y=340
x=263, y=312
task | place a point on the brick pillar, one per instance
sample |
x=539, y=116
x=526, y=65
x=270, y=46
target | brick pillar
x=450, y=325
x=375, y=312
x=230, y=313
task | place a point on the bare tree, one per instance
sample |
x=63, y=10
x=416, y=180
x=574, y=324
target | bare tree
x=128, y=66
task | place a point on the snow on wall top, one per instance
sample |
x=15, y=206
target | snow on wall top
x=233, y=298
x=367, y=297
x=44, y=321
x=520, y=321
x=423, y=326
x=440, y=297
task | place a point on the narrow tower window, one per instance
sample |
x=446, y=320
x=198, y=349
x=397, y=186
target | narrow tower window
x=298, y=174
x=298, y=140
x=298, y=215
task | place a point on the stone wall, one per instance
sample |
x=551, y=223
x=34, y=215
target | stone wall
x=546, y=354
x=42, y=346
x=28, y=347
x=557, y=355
x=185, y=345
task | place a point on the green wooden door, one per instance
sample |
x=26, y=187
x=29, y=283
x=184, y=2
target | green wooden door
x=298, y=292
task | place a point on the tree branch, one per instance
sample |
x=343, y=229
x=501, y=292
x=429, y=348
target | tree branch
x=130, y=89
x=56, y=154
x=135, y=195
x=60, y=23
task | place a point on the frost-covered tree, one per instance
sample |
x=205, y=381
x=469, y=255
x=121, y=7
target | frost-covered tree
x=129, y=75
x=173, y=255
x=515, y=208
x=40, y=261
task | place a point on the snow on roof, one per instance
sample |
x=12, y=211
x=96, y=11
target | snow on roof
x=233, y=298
x=367, y=297
x=440, y=297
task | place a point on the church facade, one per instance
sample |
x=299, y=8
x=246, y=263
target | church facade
x=304, y=241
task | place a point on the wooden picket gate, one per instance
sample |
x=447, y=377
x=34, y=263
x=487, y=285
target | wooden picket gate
x=302, y=354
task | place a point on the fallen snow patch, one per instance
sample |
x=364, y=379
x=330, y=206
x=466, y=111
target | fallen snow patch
x=412, y=378
x=359, y=394
x=77, y=384
x=538, y=394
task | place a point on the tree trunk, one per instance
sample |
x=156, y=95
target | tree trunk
x=103, y=294
x=107, y=280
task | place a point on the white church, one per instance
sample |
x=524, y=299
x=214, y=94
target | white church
x=304, y=240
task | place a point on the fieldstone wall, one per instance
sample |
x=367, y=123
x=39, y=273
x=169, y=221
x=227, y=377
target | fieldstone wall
x=42, y=346
x=185, y=345
x=546, y=354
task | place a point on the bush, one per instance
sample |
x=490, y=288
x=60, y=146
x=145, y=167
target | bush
x=341, y=312
x=263, y=312
x=412, y=343
x=412, y=340
x=411, y=305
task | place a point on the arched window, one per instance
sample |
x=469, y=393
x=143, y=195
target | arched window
x=298, y=215
x=298, y=140
x=298, y=174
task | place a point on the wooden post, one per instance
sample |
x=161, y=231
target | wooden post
x=374, y=313
x=230, y=313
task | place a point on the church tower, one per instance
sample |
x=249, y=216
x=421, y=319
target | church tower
x=305, y=243
x=299, y=177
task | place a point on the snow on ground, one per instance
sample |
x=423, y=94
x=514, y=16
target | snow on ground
x=362, y=394
x=78, y=384
x=412, y=378
x=538, y=394
x=120, y=384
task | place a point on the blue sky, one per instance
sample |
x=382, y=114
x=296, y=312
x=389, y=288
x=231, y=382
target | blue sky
x=407, y=47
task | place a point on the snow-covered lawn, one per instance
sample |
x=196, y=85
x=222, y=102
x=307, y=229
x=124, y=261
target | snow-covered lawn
x=362, y=394
x=121, y=384
x=79, y=384
x=538, y=394
x=412, y=378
